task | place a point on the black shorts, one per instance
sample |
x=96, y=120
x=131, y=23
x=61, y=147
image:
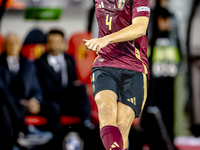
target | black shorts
x=130, y=86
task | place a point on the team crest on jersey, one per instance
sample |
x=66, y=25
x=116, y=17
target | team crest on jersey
x=121, y=4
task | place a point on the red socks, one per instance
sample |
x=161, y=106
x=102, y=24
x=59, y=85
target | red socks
x=111, y=138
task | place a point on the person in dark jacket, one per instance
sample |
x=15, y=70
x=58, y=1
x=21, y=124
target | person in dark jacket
x=60, y=84
x=58, y=77
x=21, y=94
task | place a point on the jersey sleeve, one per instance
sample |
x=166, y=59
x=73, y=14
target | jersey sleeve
x=141, y=8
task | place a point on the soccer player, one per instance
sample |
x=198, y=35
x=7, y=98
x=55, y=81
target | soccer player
x=120, y=71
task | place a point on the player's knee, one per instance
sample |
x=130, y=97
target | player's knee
x=98, y=100
x=105, y=109
x=104, y=105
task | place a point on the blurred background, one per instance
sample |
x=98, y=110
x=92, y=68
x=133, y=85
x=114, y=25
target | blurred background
x=45, y=93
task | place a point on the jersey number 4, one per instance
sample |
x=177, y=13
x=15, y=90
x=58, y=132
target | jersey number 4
x=108, y=21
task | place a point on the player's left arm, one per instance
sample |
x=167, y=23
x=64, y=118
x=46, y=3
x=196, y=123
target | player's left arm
x=137, y=29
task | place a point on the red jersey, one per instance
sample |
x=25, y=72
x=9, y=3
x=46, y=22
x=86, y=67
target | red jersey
x=112, y=16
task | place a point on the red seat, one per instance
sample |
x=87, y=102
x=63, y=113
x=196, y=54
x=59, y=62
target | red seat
x=84, y=61
x=35, y=120
x=38, y=120
x=1, y=43
x=83, y=58
x=33, y=51
x=67, y=120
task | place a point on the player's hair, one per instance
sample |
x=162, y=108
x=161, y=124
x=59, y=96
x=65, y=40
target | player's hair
x=164, y=13
x=56, y=31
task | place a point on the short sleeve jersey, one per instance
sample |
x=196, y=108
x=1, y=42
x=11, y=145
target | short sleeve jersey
x=112, y=16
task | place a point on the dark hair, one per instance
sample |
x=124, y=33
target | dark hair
x=56, y=31
x=164, y=13
x=35, y=36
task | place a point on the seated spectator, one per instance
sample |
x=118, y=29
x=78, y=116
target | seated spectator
x=21, y=94
x=57, y=74
x=60, y=84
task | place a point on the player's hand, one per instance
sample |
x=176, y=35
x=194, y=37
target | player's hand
x=95, y=44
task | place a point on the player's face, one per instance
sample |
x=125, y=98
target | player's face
x=164, y=24
x=55, y=43
x=12, y=45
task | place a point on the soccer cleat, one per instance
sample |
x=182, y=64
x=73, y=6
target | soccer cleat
x=34, y=137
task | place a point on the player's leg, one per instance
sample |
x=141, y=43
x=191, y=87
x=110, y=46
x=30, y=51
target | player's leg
x=106, y=101
x=125, y=117
x=111, y=137
x=132, y=98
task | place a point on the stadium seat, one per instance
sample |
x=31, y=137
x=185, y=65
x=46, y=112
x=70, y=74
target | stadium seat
x=67, y=120
x=1, y=43
x=35, y=120
x=83, y=57
x=84, y=61
x=39, y=121
x=33, y=51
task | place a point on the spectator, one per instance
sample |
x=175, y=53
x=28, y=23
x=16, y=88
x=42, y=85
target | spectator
x=57, y=74
x=20, y=95
x=165, y=61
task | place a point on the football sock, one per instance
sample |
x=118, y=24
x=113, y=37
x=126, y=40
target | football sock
x=111, y=138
